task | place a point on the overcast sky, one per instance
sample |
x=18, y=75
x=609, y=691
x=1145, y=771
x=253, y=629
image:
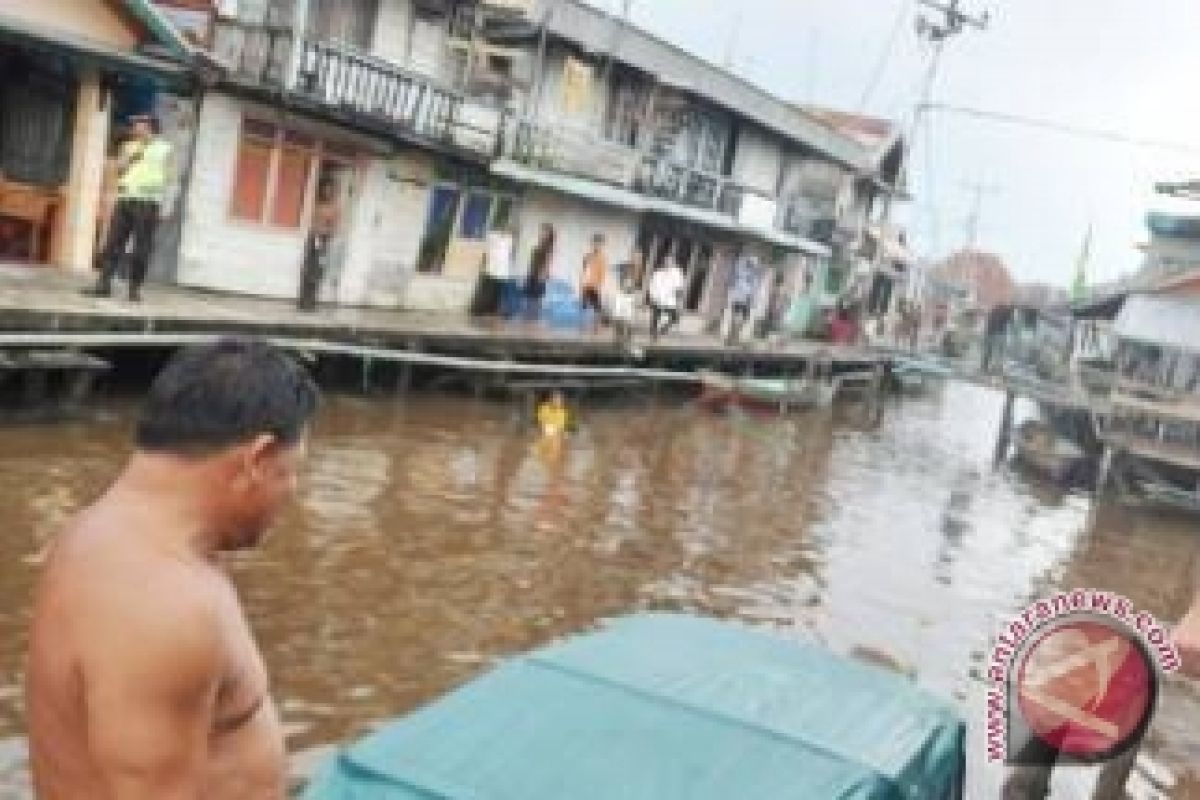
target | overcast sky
x=1127, y=66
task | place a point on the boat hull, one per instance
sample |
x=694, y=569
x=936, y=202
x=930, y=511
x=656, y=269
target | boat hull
x=769, y=396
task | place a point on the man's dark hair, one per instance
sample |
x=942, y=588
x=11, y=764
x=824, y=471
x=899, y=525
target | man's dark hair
x=217, y=395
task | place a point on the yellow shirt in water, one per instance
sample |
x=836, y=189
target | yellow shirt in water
x=553, y=418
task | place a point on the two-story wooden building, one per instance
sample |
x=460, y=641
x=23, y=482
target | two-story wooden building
x=431, y=122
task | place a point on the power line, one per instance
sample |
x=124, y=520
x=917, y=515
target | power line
x=885, y=57
x=1062, y=127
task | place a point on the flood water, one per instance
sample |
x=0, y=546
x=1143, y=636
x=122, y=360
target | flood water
x=434, y=535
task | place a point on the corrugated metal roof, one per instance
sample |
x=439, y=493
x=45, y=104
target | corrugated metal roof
x=21, y=30
x=159, y=27
x=1170, y=321
x=603, y=33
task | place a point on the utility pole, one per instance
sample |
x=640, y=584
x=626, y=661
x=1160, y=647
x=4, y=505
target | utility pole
x=979, y=190
x=953, y=20
x=947, y=21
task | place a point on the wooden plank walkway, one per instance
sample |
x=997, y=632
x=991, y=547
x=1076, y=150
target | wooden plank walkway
x=42, y=307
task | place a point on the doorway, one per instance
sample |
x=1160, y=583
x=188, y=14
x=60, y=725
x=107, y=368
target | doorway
x=336, y=186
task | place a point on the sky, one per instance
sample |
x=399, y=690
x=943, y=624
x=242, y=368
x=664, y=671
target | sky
x=1124, y=66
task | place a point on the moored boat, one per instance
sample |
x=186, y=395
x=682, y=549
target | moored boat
x=1042, y=450
x=766, y=394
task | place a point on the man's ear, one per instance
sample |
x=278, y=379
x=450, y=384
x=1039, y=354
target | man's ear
x=258, y=453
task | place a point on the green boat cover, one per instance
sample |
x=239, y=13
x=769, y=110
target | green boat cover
x=664, y=707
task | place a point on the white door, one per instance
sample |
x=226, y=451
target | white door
x=396, y=229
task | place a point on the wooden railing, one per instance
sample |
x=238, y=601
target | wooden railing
x=575, y=150
x=571, y=150
x=354, y=84
x=361, y=85
x=690, y=186
x=802, y=217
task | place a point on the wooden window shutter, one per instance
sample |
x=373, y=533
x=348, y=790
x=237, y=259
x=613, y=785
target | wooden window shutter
x=250, y=179
x=291, y=187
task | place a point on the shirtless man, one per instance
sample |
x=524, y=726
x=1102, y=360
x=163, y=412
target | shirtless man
x=143, y=680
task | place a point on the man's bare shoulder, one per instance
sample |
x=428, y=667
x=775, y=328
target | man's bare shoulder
x=114, y=587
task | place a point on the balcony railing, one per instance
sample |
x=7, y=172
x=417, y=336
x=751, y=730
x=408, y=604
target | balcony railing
x=363, y=89
x=690, y=186
x=370, y=88
x=571, y=150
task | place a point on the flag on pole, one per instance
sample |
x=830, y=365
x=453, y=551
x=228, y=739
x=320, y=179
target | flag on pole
x=1079, y=287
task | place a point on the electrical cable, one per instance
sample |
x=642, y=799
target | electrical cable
x=885, y=57
x=1061, y=127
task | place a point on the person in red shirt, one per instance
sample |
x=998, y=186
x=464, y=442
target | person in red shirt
x=843, y=329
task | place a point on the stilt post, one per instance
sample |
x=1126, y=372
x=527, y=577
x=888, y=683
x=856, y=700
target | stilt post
x=1006, y=422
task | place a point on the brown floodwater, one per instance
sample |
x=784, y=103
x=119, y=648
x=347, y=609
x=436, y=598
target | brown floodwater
x=434, y=535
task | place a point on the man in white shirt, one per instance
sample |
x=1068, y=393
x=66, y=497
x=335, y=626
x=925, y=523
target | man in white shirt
x=497, y=273
x=666, y=291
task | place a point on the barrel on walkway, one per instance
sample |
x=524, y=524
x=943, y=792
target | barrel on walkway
x=664, y=707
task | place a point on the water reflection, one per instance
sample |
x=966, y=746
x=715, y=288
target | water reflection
x=433, y=536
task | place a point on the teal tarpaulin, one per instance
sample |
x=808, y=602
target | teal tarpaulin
x=664, y=707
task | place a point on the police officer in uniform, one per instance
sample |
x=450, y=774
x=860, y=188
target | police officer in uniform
x=143, y=169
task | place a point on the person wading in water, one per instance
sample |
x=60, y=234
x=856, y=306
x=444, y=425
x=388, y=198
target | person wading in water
x=143, y=680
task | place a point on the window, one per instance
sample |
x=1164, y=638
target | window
x=500, y=65
x=502, y=216
x=291, y=186
x=273, y=174
x=255, y=151
x=476, y=216
x=439, y=228
x=350, y=22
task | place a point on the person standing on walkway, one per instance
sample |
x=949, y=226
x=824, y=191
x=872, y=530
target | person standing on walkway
x=595, y=274
x=622, y=304
x=143, y=678
x=843, y=327
x=666, y=291
x=747, y=277
x=540, y=264
x=143, y=170
x=326, y=219
x=634, y=269
x=496, y=274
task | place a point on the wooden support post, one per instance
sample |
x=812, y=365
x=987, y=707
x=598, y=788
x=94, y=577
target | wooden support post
x=404, y=378
x=34, y=389
x=1006, y=422
x=1114, y=775
x=79, y=387
x=1104, y=477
